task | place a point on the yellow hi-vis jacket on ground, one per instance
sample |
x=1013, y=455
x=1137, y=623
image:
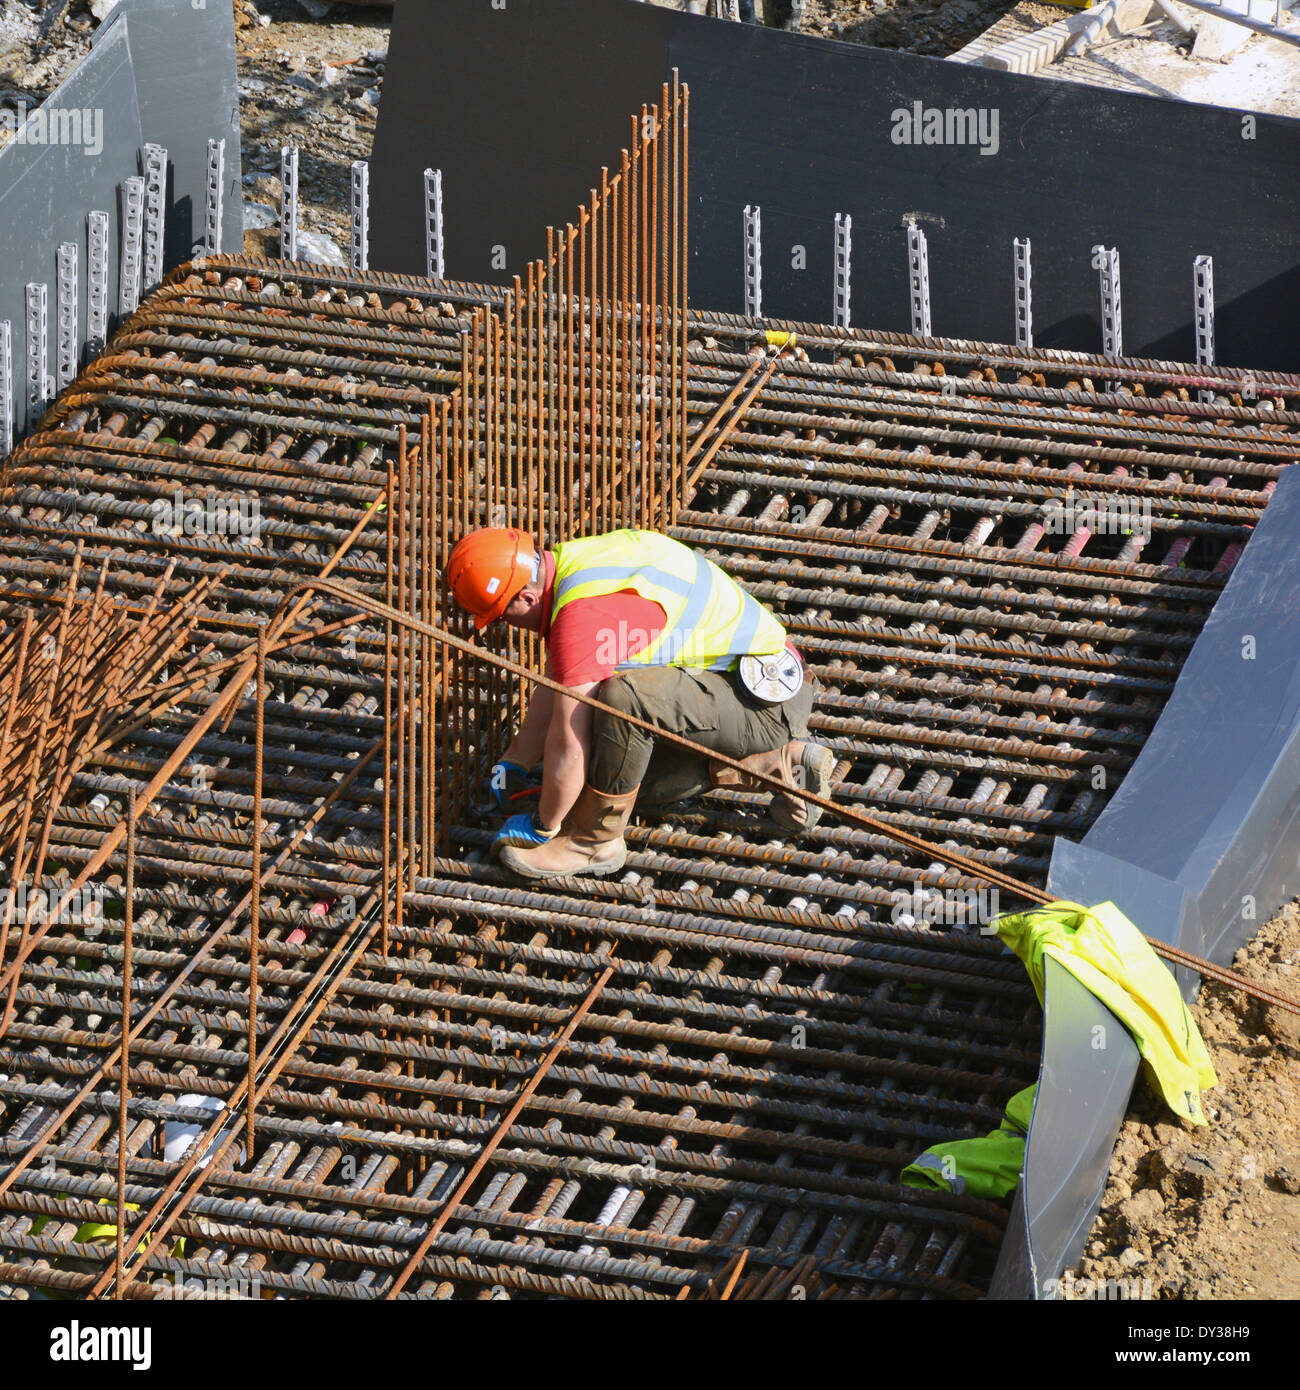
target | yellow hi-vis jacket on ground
x=712, y=621
x=97, y=1233
x=988, y=1167
x=1107, y=954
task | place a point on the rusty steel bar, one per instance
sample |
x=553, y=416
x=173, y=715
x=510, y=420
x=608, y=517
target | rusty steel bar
x=510, y=473
x=415, y=675
x=124, y=1063
x=980, y=871
x=725, y=430
x=403, y=646
x=426, y=654
x=673, y=328
x=255, y=888
x=500, y=1132
x=228, y=694
x=330, y=975
x=386, y=893
x=684, y=223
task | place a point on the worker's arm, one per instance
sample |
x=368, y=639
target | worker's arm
x=564, y=772
x=529, y=743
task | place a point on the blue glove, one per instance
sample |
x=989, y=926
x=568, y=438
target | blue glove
x=522, y=832
x=505, y=780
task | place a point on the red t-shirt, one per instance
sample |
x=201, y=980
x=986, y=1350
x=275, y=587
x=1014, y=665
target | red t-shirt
x=592, y=637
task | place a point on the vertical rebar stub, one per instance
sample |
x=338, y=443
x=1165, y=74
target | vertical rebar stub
x=155, y=187
x=360, y=209
x=128, y=297
x=214, y=199
x=6, y=388
x=843, y=268
x=1020, y=251
x=96, y=283
x=288, y=203
x=68, y=301
x=38, y=353
x=433, y=239
x=1203, y=286
x=1106, y=260
x=918, y=278
x=753, y=260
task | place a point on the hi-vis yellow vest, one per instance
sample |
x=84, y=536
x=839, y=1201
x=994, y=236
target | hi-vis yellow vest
x=712, y=621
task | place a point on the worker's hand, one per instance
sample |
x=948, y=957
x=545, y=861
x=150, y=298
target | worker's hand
x=506, y=781
x=522, y=832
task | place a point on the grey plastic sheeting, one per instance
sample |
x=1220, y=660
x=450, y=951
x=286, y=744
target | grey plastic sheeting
x=47, y=190
x=187, y=89
x=160, y=71
x=1198, y=847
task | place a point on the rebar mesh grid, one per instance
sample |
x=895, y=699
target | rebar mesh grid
x=783, y=1029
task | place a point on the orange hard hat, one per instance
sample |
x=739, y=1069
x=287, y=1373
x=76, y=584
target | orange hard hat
x=488, y=568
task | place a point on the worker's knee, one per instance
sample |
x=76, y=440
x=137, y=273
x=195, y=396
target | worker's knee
x=619, y=692
x=609, y=731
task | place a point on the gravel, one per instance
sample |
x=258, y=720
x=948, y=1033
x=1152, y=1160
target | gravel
x=316, y=85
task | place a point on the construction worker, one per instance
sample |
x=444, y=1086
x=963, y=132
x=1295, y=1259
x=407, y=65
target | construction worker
x=655, y=630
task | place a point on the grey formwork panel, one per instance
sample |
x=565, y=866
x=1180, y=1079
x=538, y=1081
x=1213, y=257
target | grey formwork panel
x=1214, y=799
x=533, y=98
x=46, y=191
x=188, y=93
x=1062, y=1184
x=160, y=71
x=1199, y=845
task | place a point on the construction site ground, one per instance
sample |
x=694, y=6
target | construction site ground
x=1201, y=1214
x=933, y=28
x=1214, y=1213
x=315, y=85
x=1155, y=59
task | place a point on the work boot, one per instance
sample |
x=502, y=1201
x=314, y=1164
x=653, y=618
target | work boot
x=807, y=766
x=590, y=840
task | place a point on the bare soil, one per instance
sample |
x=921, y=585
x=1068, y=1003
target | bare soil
x=933, y=28
x=314, y=84
x=38, y=48
x=1214, y=1213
